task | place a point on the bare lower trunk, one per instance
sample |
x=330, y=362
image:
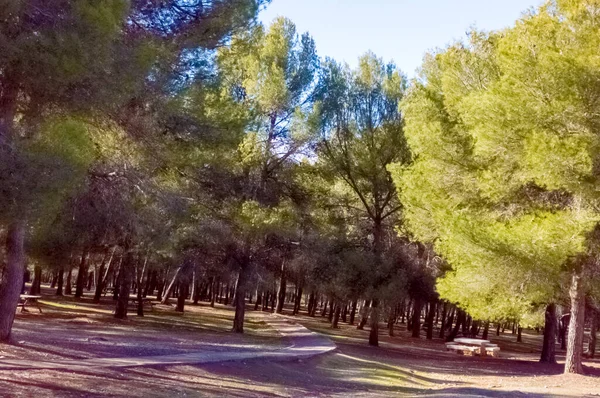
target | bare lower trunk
x=549, y=343
x=353, y=312
x=573, y=362
x=364, y=315
x=443, y=325
x=183, y=292
x=60, y=282
x=240, y=299
x=416, y=319
x=282, y=290
x=125, y=285
x=102, y=273
x=593, y=330
x=429, y=321
x=36, y=284
x=81, y=274
x=13, y=277
x=167, y=293
x=460, y=319
x=486, y=330
x=374, y=333
x=336, y=317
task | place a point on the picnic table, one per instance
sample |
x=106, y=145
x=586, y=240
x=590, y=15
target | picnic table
x=473, y=346
x=145, y=300
x=28, y=299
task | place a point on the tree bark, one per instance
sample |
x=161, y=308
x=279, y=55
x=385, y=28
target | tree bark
x=429, y=321
x=573, y=360
x=593, y=330
x=125, y=285
x=13, y=277
x=549, y=343
x=298, y=301
x=36, y=284
x=364, y=315
x=353, y=312
x=282, y=289
x=336, y=317
x=82, y=273
x=460, y=319
x=102, y=274
x=240, y=298
x=486, y=330
x=374, y=332
x=443, y=325
x=167, y=293
x=60, y=282
x=416, y=319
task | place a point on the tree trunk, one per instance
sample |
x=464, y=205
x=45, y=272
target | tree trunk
x=519, y=334
x=593, y=330
x=549, y=343
x=36, y=284
x=573, y=362
x=391, y=321
x=68, y=283
x=139, y=279
x=486, y=330
x=240, y=298
x=443, y=325
x=125, y=285
x=167, y=293
x=282, y=289
x=183, y=293
x=82, y=273
x=102, y=274
x=12, y=278
x=336, y=317
x=374, y=333
x=429, y=321
x=460, y=319
x=364, y=315
x=416, y=319
x=298, y=301
x=60, y=282
x=331, y=308
x=353, y=312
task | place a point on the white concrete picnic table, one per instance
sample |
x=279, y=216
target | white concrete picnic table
x=468, y=341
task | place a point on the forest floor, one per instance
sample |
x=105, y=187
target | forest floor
x=79, y=330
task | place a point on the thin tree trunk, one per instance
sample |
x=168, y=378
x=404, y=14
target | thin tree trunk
x=353, y=312
x=298, y=301
x=336, y=317
x=443, y=325
x=240, y=298
x=36, y=284
x=429, y=321
x=549, y=343
x=364, y=315
x=282, y=289
x=68, y=284
x=102, y=274
x=125, y=285
x=460, y=319
x=139, y=281
x=573, y=359
x=593, y=330
x=374, y=332
x=416, y=319
x=13, y=277
x=60, y=282
x=167, y=293
x=82, y=273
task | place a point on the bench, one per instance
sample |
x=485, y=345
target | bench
x=474, y=348
x=27, y=299
x=462, y=349
x=145, y=301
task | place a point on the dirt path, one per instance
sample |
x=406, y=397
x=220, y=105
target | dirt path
x=300, y=343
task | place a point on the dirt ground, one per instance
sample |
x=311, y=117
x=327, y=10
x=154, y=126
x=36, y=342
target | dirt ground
x=401, y=366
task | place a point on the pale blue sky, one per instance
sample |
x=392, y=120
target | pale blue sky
x=399, y=30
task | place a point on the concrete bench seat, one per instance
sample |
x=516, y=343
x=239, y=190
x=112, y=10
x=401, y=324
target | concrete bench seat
x=462, y=349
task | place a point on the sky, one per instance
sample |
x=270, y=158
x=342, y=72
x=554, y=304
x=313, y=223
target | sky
x=398, y=30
